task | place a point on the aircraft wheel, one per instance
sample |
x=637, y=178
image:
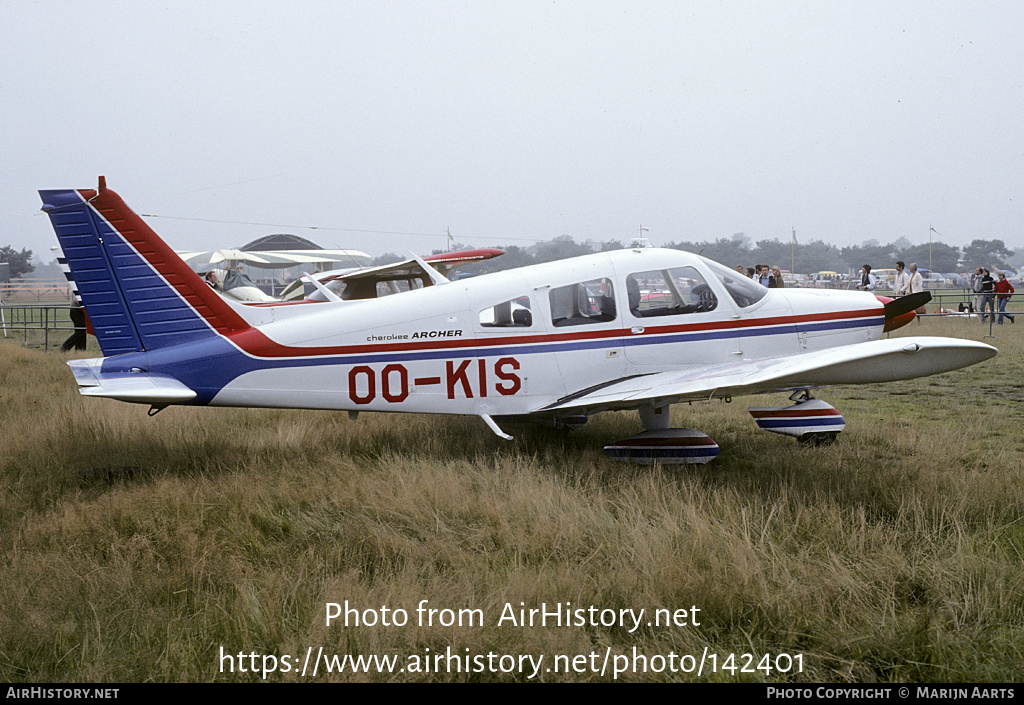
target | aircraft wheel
x=818, y=439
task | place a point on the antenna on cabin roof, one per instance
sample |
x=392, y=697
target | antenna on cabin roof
x=640, y=241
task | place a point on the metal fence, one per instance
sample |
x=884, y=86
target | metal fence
x=963, y=303
x=19, y=320
x=35, y=291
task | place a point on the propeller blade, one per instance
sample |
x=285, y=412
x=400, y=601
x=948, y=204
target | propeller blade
x=906, y=304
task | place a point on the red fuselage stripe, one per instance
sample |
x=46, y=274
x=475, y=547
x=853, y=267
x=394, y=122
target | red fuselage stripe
x=258, y=344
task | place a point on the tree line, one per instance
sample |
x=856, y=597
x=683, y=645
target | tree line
x=801, y=258
x=816, y=256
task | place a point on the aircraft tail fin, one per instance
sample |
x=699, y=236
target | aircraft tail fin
x=138, y=294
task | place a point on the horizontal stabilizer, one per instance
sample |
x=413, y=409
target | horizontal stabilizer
x=140, y=387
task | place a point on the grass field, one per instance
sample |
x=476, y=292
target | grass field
x=145, y=549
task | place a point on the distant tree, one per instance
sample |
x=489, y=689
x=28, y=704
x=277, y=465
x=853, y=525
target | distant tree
x=1017, y=261
x=878, y=256
x=943, y=257
x=986, y=253
x=902, y=243
x=20, y=262
x=774, y=253
x=387, y=258
x=561, y=247
x=727, y=251
x=513, y=258
x=818, y=256
x=684, y=245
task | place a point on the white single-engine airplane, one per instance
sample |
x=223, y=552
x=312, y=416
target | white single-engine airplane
x=632, y=329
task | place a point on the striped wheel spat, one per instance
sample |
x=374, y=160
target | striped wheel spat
x=809, y=416
x=672, y=445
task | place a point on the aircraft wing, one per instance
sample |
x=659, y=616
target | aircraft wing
x=862, y=363
x=273, y=259
x=443, y=262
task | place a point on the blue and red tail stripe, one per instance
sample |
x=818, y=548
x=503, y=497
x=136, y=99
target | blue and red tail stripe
x=138, y=293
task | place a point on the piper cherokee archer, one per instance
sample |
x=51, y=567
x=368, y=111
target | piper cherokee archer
x=636, y=329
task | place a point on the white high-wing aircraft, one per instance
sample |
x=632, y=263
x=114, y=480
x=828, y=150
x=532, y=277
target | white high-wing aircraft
x=387, y=279
x=632, y=329
x=383, y=280
x=223, y=268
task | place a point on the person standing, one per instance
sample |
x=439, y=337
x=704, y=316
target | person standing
x=777, y=278
x=976, y=287
x=988, y=290
x=867, y=279
x=916, y=283
x=900, y=286
x=1003, y=289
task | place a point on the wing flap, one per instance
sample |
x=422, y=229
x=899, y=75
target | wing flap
x=863, y=363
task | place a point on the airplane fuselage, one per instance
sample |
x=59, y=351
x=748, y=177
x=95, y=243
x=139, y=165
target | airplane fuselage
x=512, y=342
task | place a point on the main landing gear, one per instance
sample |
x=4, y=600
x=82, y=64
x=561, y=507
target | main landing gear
x=661, y=444
x=811, y=421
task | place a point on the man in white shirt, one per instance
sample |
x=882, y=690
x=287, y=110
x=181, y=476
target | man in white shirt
x=916, y=280
x=976, y=286
x=902, y=284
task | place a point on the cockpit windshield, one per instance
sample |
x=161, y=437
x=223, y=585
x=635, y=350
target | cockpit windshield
x=745, y=292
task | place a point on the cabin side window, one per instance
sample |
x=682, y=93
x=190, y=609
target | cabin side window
x=669, y=292
x=583, y=303
x=514, y=313
x=357, y=289
x=387, y=287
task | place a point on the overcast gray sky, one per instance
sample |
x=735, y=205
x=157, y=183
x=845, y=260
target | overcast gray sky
x=511, y=122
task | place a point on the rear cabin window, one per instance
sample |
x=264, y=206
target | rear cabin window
x=584, y=303
x=669, y=292
x=514, y=313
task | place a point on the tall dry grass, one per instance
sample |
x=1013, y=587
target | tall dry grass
x=134, y=548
